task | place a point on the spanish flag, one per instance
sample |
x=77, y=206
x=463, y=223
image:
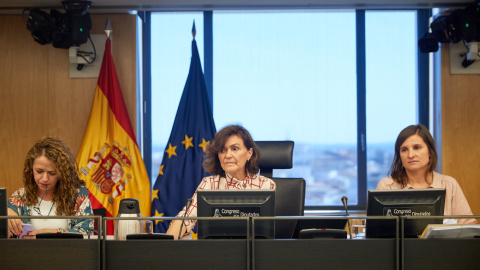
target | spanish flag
x=109, y=158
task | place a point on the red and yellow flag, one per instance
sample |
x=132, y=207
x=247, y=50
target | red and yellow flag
x=109, y=158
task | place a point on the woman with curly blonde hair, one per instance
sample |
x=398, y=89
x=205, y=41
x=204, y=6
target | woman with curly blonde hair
x=51, y=188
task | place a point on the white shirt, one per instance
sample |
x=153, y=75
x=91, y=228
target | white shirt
x=47, y=208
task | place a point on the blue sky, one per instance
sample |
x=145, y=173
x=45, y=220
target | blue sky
x=289, y=75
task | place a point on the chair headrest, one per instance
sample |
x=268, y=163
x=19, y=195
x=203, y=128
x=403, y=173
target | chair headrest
x=275, y=154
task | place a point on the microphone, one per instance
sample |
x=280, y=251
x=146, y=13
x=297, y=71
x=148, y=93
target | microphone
x=187, y=205
x=344, y=201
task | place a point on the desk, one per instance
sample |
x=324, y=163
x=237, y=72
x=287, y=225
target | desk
x=231, y=254
x=294, y=254
x=49, y=254
x=179, y=254
x=325, y=253
x=442, y=254
x=175, y=254
x=439, y=253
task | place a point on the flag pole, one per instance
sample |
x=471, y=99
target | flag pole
x=194, y=31
x=108, y=28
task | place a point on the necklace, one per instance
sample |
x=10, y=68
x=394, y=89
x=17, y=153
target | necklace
x=51, y=209
x=37, y=208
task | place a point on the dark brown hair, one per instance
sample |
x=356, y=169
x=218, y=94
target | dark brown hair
x=397, y=171
x=211, y=163
x=57, y=151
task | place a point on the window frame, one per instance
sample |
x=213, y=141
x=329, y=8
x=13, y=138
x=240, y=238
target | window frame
x=423, y=85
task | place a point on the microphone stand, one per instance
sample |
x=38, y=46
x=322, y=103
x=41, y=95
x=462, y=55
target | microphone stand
x=344, y=201
x=189, y=201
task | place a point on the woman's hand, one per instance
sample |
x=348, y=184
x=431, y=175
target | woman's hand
x=174, y=229
x=14, y=225
x=33, y=234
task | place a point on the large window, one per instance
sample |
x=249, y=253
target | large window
x=285, y=76
x=171, y=53
x=292, y=75
x=391, y=47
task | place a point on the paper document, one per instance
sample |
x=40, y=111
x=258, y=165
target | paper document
x=451, y=231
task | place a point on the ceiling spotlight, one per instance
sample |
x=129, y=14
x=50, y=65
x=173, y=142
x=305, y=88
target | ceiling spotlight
x=62, y=30
x=76, y=7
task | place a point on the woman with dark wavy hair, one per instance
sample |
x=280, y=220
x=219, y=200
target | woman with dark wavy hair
x=232, y=158
x=51, y=188
x=412, y=168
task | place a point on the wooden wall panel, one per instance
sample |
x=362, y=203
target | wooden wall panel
x=74, y=96
x=461, y=130
x=23, y=97
x=37, y=97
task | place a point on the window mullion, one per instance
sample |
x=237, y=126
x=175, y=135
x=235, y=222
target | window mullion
x=208, y=52
x=361, y=107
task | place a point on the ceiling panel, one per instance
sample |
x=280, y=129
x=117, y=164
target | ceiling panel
x=101, y=6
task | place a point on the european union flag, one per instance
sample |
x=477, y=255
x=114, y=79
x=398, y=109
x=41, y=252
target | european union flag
x=181, y=170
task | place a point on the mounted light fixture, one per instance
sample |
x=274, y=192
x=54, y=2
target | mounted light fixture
x=62, y=30
x=460, y=25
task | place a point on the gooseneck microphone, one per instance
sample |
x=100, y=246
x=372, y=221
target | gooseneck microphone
x=187, y=205
x=344, y=201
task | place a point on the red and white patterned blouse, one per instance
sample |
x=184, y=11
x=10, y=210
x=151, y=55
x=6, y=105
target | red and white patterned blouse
x=252, y=181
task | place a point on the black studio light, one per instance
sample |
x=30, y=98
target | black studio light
x=443, y=30
x=461, y=24
x=79, y=20
x=41, y=25
x=62, y=30
x=62, y=36
x=468, y=22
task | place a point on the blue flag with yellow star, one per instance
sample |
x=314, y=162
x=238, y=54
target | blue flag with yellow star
x=181, y=170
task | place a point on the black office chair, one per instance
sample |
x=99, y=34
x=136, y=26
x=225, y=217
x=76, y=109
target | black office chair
x=97, y=227
x=290, y=193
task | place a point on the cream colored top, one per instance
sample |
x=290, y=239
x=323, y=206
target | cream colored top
x=455, y=201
